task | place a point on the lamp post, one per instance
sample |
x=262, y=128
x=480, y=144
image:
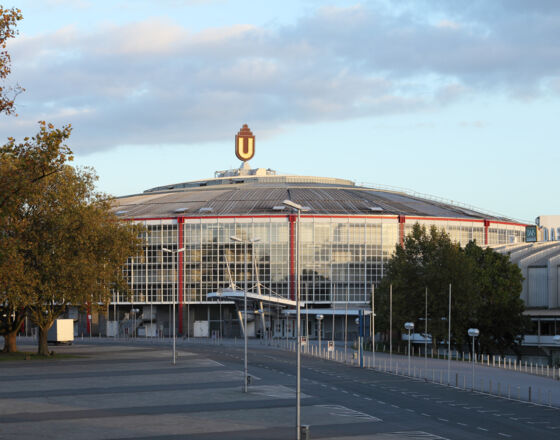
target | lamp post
x=409, y=326
x=134, y=312
x=319, y=318
x=473, y=333
x=174, y=335
x=298, y=208
x=245, y=369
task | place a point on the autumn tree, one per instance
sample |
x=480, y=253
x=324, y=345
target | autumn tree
x=76, y=250
x=22, y=166
x=8, y=23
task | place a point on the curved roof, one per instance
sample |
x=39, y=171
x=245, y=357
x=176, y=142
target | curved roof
x=263, y=195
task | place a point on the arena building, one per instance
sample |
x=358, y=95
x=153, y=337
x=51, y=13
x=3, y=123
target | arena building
x=348, y=233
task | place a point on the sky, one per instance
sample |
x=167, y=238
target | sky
x=458, y=100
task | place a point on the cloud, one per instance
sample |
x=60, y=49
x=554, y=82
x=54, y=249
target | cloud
x=157, y=82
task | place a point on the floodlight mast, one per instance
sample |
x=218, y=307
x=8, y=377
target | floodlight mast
x=298, y=208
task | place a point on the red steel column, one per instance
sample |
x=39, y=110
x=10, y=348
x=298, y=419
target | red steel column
x=292, y=219
x=180, y=222
x=402, y=220
x=486, y=225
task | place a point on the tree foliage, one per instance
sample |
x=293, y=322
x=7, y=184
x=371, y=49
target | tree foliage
x=8, y=23
x=485, y=291
x=22, y=166
x=61, y=245
x=78, y=247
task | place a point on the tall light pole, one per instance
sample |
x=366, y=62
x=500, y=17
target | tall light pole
x=174, y=335
x=319, y=318
x=298, y=208
x=473, y=333
x=409, y=326
x=245, y=368
x=449, y=340
x=373, y=324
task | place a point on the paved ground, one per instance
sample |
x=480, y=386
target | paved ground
x=133, y=391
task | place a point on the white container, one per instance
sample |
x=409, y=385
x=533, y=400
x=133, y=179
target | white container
x=201, y=329
x=62, y=331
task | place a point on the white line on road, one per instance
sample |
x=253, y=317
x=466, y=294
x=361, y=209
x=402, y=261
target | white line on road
x=462, y=424
x=504, y=435
x=427, y=415
x=443, y=420
x=482, y=429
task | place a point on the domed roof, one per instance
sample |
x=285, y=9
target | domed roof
x=261, y=192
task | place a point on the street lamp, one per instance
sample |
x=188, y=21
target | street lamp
x=173, y=295
x=298, y=208
x=409, y=326
x=319, y=318
x=134, y=312
x=473, y=333
x=245, y=242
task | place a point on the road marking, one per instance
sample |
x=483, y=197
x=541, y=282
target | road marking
x=482, y=429
x=426, y=415
x=356, y=395
x=504, y=435
x=395, y=406
x=346, y=392
x=367, y=398
x=409, y=410
x=443, y=420
x=462, y=424
x=383, y=403
x=334, y=388
x=340, y=410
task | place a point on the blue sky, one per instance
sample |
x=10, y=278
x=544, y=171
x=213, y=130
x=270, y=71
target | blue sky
x=454, y=99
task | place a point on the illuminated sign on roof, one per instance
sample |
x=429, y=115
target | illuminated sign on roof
x=245, y=144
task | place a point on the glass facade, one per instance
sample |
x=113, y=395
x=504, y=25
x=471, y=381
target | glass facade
x=341, y=257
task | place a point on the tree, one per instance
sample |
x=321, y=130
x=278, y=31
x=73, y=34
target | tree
x=485, y=290
x=22, y=167
x=499, y=316
x=8, y=23
x=76, y=248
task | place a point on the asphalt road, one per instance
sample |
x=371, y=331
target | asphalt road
x=120, y=391
x=397, y=404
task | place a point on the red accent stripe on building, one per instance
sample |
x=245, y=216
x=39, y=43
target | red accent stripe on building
x=449, y=219
x=141, y=219
x=292, y=219
x=486, y=225
x=181, y=289
x=402, y=220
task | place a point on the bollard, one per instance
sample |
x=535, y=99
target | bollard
x=509, y=391
x=464, y=382
x=518, y=393
x=529, y=394
x=490, y=386
x=305, y=432
x=456, y=380
x=539, y=396
x=499, y=390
